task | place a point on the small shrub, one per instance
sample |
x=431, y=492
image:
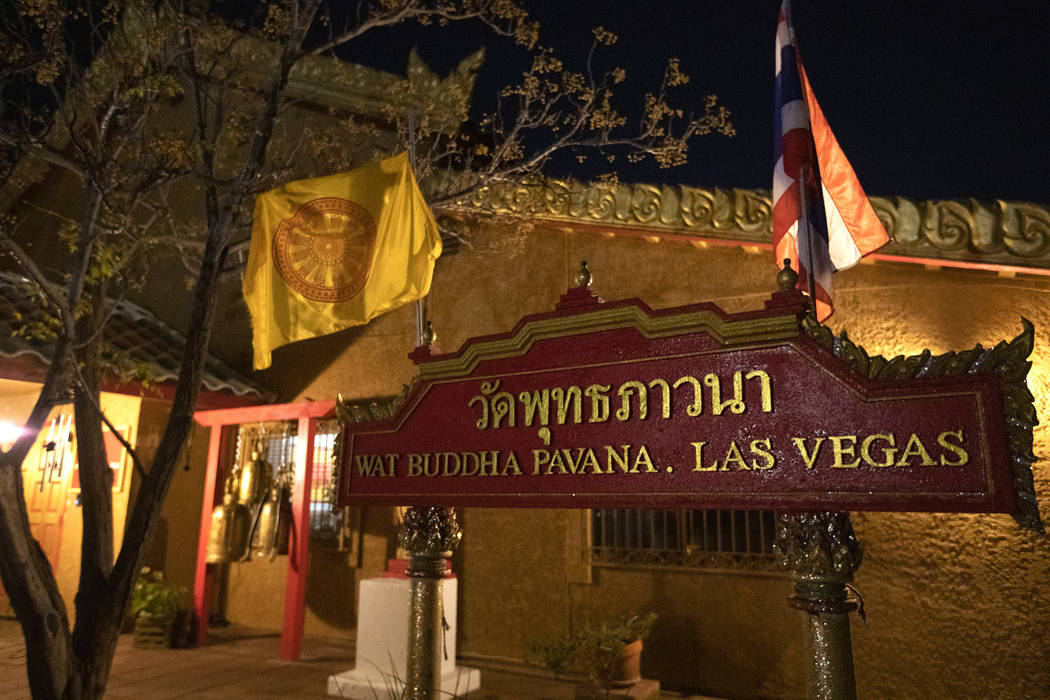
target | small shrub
x=555, y=653
x=155, y=596
x=594, y=649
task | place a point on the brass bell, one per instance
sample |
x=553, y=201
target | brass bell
x=284, y=523
x=270, y=536
x=228, y=536
x=266, y=526
x=254, y=479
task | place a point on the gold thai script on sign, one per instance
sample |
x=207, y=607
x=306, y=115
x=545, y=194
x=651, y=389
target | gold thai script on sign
x=598, y=403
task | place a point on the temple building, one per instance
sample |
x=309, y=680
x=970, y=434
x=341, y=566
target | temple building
x=957, y=604
x=953, y=601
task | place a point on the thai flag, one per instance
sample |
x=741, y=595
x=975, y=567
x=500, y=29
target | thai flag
x=821, y=216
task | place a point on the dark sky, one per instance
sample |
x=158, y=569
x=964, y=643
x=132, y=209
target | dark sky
x=928, y=99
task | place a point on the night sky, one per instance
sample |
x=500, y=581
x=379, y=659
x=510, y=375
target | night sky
x=928, y=99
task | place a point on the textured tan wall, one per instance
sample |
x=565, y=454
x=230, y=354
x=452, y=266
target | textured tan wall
x=174, y=546
x=255, y=589
x=959, y=605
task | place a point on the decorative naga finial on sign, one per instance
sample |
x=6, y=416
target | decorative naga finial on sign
x=583, y=275
x=429, y=336
x=787, y=278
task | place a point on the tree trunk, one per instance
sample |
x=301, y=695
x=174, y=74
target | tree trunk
x=24, y=570
x=33, y=592
x=97, y=623
x=64, y=666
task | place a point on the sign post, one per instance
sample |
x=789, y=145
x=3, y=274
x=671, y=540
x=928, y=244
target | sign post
x=430, y=535
x=597, y=405
x=822, y=554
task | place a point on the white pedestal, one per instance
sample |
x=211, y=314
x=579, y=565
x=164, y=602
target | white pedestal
x=382, y=645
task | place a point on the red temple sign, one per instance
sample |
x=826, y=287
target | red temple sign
x=614, y=404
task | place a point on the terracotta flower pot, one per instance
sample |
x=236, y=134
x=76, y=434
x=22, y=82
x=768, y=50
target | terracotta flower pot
x=628, y=669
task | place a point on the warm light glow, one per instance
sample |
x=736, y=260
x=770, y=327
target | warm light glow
x=9, y=432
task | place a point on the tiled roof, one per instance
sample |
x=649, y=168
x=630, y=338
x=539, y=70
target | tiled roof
x=132, y=331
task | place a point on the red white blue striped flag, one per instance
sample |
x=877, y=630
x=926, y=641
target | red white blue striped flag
x=812, y=169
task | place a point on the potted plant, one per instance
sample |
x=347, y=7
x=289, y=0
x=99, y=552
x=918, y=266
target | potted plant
x=612, y=649
x=155, y=607
x=609, y=652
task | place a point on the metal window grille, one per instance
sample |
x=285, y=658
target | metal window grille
x=274, y=440
x=325, y=518
x=707, y=539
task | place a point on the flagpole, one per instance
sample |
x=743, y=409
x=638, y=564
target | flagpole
x=803, y=223
x=430, y=534
x=420, y=309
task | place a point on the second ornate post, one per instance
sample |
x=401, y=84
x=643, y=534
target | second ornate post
x=430, y=535
x=822, y=554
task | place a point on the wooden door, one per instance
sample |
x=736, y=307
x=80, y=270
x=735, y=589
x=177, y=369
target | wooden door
x=47, y=473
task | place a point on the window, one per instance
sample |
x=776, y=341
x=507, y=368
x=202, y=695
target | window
x=687, y=538
x=325, y=518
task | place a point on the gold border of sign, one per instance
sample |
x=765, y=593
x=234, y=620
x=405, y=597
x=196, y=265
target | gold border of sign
x=1007, y=362
x=725, y=331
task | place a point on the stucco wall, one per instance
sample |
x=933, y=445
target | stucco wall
x=958, y=604
x=173, y=549
x=254, y=590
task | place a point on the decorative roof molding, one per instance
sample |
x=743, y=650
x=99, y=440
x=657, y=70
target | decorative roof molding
x=1015, y=234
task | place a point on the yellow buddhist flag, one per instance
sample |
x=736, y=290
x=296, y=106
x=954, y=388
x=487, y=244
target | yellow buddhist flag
x=333, y=252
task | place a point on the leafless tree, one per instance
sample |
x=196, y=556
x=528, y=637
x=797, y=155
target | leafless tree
x=102, y=91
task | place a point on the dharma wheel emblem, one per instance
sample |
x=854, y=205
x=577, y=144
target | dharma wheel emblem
x=324, y=252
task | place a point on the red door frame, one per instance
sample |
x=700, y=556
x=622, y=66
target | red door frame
x=222, y=423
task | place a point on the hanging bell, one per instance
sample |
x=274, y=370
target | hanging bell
x=284, y=523
x=239, y=525
x=254, y=480
x=228, y=536
x=218, y=534
x=266, y=526
x=270, y=536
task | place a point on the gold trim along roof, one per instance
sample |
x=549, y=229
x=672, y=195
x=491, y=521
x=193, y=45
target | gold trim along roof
x=993, y=232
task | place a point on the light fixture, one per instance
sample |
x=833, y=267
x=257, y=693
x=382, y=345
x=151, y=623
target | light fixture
x=9, y=432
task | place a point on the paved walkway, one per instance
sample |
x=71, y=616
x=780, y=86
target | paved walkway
x=239, y=663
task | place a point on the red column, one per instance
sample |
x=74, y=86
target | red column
x=298, y=551
x=201, y=580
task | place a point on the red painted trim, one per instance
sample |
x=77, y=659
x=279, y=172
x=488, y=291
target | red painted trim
x=659, y=236
x=651, y=235
x=280, y=411
x=201, y=580
x=963, y=264
x=298, y=552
